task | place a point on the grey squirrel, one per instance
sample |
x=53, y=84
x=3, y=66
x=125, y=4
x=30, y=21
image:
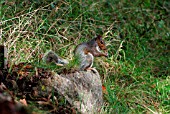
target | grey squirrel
x=86, y=60
x=52, y=57
x=88, y=50
x=85, y=51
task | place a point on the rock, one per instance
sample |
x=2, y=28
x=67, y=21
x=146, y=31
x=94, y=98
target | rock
x=82, y=89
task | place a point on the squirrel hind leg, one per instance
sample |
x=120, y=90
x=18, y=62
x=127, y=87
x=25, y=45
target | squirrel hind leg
x=92, y=69
x=86, y=68
x=85, y=65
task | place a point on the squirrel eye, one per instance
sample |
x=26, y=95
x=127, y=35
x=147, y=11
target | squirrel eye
x=101, y=42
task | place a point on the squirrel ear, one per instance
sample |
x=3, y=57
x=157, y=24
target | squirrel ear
x=98, y=37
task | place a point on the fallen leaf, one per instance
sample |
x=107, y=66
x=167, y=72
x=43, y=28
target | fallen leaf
x=104, y=89
x=24, y=102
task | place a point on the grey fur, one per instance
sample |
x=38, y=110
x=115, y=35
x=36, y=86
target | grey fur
x=52, y=57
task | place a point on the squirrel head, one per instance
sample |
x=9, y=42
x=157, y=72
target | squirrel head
x=100, y=43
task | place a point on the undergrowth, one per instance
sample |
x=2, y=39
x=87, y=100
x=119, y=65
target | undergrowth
x=136, y=73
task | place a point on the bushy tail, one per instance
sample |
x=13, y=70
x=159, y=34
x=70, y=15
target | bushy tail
x=52, y=57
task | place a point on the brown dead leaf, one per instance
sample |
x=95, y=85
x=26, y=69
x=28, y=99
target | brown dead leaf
x=153, y=85
x=23, y=101
x=28, y=66
x=104, y=89
x=107, y=65
x=22, y=73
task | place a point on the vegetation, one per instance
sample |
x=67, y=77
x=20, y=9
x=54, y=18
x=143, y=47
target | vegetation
x=137, y=72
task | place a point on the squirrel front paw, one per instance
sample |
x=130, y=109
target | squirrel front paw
x=106, y=54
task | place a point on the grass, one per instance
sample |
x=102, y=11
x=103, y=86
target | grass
x=137, y=71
